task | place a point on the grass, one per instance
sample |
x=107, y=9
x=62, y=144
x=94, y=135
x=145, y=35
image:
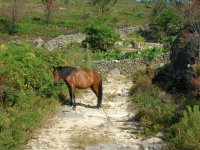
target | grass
x=176, y=116
x=119, y=55
x=156, y=111
x=73, y=17
x=87, y=137
x=26, y=80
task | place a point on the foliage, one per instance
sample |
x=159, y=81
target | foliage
x=26, y=80
x=51, y=7
x=70, y=18
x=148, y=53
x=103, y=6
x=12, y=15
x=168, y=21
x=100, y=37
x=187, y=131
x=154, y=113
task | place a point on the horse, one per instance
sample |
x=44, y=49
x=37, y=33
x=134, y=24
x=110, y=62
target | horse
x=149, y=72
x=81, y=79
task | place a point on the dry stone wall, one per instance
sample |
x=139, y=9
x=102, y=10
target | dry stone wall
x=63, y=40
x=127, y=67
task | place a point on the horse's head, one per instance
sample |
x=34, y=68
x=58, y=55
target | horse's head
x=57, y=75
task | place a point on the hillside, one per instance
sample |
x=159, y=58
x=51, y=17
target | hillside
x=69, y=17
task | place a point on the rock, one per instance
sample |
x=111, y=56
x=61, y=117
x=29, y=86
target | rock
x=114, y=72
x=38, y=42
x=133, y=147
x=153, y=143
x=102, y=147
x=185, y=50
x=92, y=112
x=17, y=42
x=108, y=124
x=116, y=113
x=72, y=115
x=63, y=40
x=136, y=45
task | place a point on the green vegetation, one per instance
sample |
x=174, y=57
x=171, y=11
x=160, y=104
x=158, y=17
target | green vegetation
x=70, y=16
x=176, y=116
x=27, y=93
x=149, y=53
x=154, y=113
x=187, y=131
x=100, y=37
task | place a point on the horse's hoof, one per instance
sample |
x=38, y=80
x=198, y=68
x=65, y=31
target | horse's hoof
x=98, y=107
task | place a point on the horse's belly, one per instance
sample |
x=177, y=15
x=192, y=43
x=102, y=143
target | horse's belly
x=83, y=86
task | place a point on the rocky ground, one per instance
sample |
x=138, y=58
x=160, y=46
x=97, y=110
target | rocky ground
x=110, y=128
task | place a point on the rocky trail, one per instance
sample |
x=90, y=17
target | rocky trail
x=108, y=128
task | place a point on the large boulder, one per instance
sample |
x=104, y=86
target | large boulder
x=185, y=51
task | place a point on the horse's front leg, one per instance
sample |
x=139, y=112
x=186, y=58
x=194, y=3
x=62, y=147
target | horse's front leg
x=71, y=95
x=74, y=103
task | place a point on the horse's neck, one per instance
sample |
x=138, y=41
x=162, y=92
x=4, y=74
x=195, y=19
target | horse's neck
x=66, y=71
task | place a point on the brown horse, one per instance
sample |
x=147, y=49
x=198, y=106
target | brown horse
x=149, y=72
x=81, y=79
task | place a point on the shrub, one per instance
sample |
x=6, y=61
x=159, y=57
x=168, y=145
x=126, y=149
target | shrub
x=187, y=131
x=100, y=37
x=156, y=111
x=168, y=21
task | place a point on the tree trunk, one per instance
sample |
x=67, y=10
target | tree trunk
x=14, y=18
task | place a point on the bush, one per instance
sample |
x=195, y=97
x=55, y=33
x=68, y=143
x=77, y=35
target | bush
x=168, y=21
x=187, y=131
x=100, y=37
x=156, y=111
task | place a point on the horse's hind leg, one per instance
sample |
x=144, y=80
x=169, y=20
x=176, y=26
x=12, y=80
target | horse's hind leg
x=94, y=88
x=72, y=96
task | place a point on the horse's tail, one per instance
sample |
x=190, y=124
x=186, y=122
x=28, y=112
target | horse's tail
x=100, y=93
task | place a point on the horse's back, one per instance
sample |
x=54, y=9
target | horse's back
x=85, y=78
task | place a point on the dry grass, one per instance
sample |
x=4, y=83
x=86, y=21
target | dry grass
x=88, y=137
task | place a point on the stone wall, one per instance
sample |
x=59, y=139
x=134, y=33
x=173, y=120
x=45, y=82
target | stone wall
x=63, y=40
x=128, y=30
x=127, y=67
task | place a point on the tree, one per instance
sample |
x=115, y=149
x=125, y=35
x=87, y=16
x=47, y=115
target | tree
x=13, y=13
x=103, y=6
x=51, y=6
x=168, y=20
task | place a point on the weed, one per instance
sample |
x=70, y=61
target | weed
x=85, y=137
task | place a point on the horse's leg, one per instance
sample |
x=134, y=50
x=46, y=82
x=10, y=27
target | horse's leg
x=94, y=88
x=70, y=94
x=73, y=97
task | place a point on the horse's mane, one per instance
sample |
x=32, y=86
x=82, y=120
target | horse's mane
x=65, y=71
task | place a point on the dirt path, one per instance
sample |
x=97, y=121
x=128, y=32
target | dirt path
x=108, y=128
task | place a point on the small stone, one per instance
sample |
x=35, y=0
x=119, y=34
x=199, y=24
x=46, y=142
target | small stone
x=114, y=72
x=38, y=42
